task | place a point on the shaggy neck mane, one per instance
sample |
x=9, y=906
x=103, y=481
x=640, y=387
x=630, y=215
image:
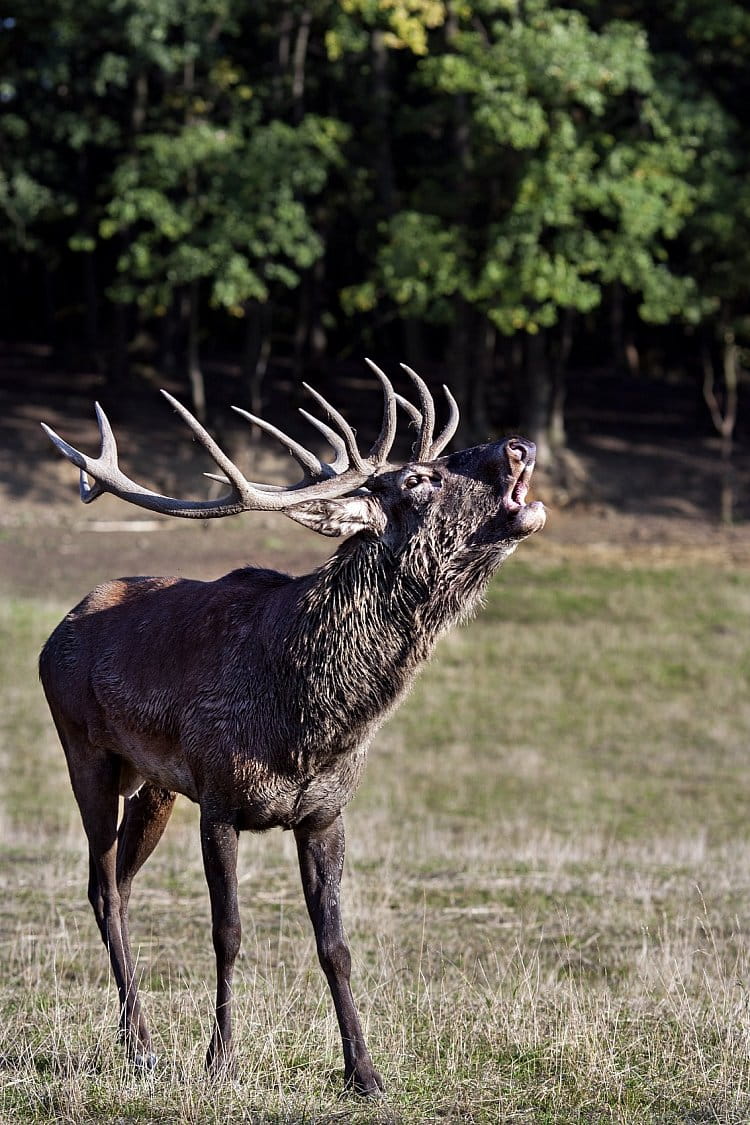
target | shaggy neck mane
x=368, y=618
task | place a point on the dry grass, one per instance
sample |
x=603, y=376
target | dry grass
x=547, y=891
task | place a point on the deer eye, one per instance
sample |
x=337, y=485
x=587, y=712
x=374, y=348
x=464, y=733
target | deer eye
x=413, y=480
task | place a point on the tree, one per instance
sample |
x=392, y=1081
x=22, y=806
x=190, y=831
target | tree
x=163, y=142
x=212, y=202
x=220, y=206
x=54, y=132
x=704, y=49
x=572, y=177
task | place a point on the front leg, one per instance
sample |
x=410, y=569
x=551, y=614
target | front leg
x=219, y=844
x=321, y=861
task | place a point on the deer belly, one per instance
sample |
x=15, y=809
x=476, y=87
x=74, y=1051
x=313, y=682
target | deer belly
x=153, y=759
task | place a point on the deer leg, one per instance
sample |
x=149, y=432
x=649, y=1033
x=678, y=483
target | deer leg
x=145, y=817
x=95, y=782
x=219, y=844
x=95, y=897
x=321, y=860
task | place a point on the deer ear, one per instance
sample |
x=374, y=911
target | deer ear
x=340, y=517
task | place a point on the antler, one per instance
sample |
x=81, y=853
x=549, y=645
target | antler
x=321, y=480
x=427, y=448
x=348, y=471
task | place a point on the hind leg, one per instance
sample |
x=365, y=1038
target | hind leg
x=95, y=777
x=144, y=819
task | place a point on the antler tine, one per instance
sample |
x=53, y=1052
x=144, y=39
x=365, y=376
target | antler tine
x=449, y=428
x=108, y=454
x=423, y=443
x=108, y=476
x=105, y=462
x=329, y=482
x=236, y=479
x=356, y=461
x=272, y=497
x=304, y=458
x=384, y=441
x=312, y=465
x=348, y=470
x=336, y=442
x=73, y=455
x=409, y=408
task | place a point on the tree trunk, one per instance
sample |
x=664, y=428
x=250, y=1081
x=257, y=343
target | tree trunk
x=380, y=117
x=92, y=307
x=537, y=397
x=169, y=331
x=481, y=374
x=118, y=361
x=191, y=314
x=118, y=364
x=317, y=336
x=49, y=306
x=616, y=326
x=458, y=351
x=90, y=288
x=283, y=55
x=723, y=409
x=463, y=371
x=298, y=66
x=625, y=356
x=413, y=342
x=557, y=434
x=255, y=355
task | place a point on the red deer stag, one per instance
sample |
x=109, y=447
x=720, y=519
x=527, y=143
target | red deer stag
x=257, y=695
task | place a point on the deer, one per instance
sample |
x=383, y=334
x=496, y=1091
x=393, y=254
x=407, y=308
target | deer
x=257, y=695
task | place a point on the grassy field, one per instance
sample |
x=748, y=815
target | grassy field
x=547, y=888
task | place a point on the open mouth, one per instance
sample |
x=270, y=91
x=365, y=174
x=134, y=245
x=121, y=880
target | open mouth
x=521, y=457
x=524, y=517
x=515, y=497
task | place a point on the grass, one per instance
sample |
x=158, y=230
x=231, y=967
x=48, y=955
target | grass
x=547, y=889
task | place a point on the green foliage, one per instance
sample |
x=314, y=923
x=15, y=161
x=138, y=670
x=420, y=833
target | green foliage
x=515, y=160
x=224, y=204
x=23, y=201
x=422, y=265
x=405, y=25
x=173, y=153
x=575, y=157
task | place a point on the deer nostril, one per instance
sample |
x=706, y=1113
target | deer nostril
x=517, y=450
x=521, y=450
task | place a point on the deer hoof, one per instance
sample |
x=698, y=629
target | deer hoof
x=144, y=1061
x=221, y=1064
x=365, y=1085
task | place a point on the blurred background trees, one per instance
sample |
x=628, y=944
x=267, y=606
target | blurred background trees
x=500, y=192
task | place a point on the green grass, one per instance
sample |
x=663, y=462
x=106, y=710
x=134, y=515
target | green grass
x=547, y=888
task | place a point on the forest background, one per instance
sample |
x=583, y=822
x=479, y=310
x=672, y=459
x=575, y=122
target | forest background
x=510, y=195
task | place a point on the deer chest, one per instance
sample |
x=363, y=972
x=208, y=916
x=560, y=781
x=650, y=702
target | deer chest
x=284, y=801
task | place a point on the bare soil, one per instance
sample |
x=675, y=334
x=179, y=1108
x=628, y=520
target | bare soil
x=644, y=479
